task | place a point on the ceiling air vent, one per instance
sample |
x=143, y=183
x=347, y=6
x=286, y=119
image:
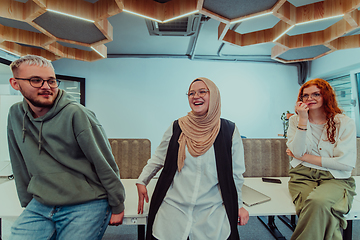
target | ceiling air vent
x=185, y=26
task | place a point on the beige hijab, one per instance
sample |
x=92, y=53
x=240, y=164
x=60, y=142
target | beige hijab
x=199, y=132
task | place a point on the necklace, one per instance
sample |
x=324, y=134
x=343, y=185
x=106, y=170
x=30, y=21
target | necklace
x=323, y=121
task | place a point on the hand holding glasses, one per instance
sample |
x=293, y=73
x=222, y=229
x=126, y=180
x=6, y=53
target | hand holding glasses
x=37, y=82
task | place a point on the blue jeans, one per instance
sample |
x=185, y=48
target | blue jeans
x=81, y=221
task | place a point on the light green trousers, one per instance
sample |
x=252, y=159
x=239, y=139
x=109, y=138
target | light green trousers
x=320, y=201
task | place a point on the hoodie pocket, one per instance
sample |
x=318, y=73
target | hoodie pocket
x=61, y=188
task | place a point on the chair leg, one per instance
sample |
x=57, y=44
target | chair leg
x=271, y=226
x=347, y=233
x=141, y=232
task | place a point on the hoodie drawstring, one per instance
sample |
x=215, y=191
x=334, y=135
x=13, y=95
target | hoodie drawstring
x=40, y=142
x=40, y=133
x=23, y=128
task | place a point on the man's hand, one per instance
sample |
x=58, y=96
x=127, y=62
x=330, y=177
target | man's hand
x=116, y=219
x=243, y=216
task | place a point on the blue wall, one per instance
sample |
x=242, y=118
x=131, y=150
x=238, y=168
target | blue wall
x=139, y=98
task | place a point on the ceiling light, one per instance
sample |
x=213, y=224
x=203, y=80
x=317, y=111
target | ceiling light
x=50, y=10
x=318, y=20
x=140, y=15
x=283, y=33
x=9, y=52
x=184, y=15
x=97, y=52
x=256, y=16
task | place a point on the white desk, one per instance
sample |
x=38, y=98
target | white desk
x=280, y=203
x=10, y=205
x=131, y=217
x=9, y=201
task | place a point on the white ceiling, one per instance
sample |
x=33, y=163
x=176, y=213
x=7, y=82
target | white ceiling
x=131, y=36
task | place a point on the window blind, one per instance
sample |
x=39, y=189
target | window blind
x=343, y=91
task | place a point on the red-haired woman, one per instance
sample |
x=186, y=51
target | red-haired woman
x=322, y=142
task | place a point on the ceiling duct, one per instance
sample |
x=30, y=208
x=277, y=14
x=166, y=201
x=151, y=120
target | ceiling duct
x=186, y=26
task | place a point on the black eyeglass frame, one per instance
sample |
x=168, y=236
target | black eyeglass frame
x=43, y=81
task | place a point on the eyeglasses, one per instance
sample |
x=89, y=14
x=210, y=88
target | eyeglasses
x=315, y=96
x=201, y=93
x=39, y=82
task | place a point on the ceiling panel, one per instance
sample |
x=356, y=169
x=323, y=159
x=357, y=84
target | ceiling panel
x=237, y=8
x=313, y=27
x=65, y=44
x=257, y=24
x=304, y=53
x=298, y=3
x=131, y=36
x=116, y=32
x=69, y=28
x=17, y=24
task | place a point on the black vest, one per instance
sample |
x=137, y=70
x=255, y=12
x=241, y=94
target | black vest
x=222, y=146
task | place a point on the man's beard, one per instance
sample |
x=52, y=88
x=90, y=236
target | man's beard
x=37, y=103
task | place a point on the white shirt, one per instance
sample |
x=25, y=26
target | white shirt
x=193, y=205
x=338, y=158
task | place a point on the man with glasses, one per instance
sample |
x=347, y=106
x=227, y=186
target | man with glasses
x=64, y=170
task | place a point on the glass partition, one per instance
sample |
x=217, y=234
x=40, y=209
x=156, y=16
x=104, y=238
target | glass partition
x=75, y=86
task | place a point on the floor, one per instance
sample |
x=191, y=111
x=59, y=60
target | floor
x=254, y=230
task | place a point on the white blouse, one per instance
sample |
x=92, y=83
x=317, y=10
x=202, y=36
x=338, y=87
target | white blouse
x=193, y=206
x=338, y=158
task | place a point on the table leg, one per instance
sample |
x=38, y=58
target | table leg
x=271, y=226
x=347, y=233
x=290, y=223
x=141, y=232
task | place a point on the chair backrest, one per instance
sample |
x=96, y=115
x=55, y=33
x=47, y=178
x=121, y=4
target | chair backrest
x=356, y=170
x=130, y=155
x=267, y=158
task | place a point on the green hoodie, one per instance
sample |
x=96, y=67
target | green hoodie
x=63, y=157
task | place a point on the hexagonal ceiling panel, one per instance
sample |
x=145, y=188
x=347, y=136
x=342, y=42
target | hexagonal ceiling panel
x=34, y=27
x=69, y=28
x=300, y=30
x=238, y=8
x=306, y=30
x=304, y=53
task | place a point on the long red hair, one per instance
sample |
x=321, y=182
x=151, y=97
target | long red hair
x=330, y=104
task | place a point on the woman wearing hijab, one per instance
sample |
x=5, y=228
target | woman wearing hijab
x=322, y=142
x=198, y=193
